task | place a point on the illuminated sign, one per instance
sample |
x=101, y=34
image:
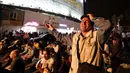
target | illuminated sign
x=32, y=23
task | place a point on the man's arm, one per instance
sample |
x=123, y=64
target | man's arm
x=103, y=25
x=54, y=32
x=11, y=66
x=59, y=36
x=100, y=22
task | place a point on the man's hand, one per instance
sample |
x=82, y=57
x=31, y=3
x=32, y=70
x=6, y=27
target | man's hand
x=50, y=27
x=90, y=16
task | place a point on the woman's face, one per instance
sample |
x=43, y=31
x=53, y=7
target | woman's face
x=45, y=54
x=115, y=42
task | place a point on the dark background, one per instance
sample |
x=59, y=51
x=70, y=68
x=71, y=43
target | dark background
x=106, y=8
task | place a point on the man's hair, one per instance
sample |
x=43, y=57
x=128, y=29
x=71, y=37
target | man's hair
x=83, y=16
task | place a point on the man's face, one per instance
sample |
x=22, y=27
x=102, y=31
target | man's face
x=85, y=25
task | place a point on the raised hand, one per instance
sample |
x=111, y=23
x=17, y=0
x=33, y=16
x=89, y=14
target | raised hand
x=50, y=27
x=90, y=16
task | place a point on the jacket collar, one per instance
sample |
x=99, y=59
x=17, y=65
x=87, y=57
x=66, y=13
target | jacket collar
x=89, y=34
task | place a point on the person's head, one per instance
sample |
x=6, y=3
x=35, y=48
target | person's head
x=42, y=41
x=14, y=54
x=40, y=44
x=36, y=45
x=86, y=24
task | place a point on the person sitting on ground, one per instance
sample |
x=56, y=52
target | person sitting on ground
x=29, y=55
x=47, y=66
x=17, y=64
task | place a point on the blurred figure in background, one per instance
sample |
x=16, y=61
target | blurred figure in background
x=17, y=64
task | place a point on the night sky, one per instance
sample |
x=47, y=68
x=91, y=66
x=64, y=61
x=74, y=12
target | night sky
x=106, y=7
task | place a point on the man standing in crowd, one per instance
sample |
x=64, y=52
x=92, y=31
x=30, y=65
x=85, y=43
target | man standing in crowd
x=86, y=45
x=86, y=48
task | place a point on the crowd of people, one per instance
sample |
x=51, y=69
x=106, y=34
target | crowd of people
x=87, y=51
